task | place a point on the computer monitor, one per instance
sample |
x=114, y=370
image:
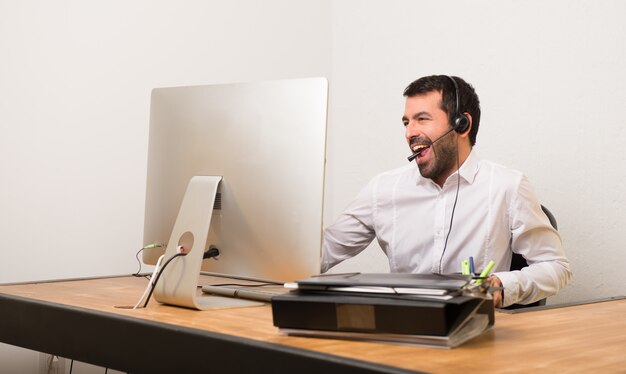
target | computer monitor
x=262, y=147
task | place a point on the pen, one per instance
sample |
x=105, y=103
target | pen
x=471, y=265
x=465, y=267
x=485, y=272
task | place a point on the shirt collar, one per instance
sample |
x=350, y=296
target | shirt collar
x=468, y=170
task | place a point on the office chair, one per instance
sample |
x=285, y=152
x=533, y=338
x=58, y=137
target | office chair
x=518, y=262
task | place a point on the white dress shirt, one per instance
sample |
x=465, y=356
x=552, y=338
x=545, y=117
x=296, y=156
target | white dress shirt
x=497, y=212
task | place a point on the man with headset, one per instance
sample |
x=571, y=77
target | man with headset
x=453, y=205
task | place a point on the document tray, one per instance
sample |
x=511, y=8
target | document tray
x=446, y=323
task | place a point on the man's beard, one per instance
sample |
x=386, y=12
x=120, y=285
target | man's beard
x=444, y=160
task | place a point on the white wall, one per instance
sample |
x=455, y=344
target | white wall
x=75, y=81
x=551, y=76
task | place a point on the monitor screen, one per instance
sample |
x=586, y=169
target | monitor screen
x=266, y=141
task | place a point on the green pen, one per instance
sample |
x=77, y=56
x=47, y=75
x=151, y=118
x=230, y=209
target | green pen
x=465, y=268
x=485, y=272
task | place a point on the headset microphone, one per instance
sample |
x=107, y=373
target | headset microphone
x=419, y=152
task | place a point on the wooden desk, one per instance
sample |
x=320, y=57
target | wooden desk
x=78, y=319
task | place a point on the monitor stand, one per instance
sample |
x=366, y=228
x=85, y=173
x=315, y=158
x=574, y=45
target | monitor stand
x=178, y=283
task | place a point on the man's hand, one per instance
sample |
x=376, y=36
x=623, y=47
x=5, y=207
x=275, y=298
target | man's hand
x=494, y=281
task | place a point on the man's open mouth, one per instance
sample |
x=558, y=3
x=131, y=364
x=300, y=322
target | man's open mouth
x=419, y=147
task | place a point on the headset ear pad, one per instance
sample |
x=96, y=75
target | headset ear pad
x=461, y=123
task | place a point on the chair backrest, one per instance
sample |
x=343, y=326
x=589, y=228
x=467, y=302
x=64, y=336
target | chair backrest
x=550, y=217
x=518, y=262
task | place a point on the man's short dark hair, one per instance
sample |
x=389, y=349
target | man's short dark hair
x=468, y=99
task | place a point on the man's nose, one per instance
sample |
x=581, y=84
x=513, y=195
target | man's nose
x=412, y=130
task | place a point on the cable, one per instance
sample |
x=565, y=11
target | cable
x=210, y=253
x=152, y=281
x=456, y=197
x=149, y=246
x=159, y=276
x=139, y=262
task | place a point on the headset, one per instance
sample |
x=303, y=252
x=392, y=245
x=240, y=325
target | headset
x=459, y=122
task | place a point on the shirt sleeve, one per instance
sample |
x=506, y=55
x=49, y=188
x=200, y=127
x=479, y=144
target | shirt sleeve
x=533, y=237
x=351, y=233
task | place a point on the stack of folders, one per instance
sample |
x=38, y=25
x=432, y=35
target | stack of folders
x=426, y=309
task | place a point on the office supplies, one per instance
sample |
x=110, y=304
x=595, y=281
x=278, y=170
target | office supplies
x=471, y=265
x=410, y=308
x=389, y=285
x=414, y=293
x=485, y=272
x=445, y=323
x=431, y=282
x=465, y=267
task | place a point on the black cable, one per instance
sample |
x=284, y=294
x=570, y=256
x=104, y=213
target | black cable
x=138, y=261
x=159, y=275
x=456, y=197
x=71, y=366
x=211, y=253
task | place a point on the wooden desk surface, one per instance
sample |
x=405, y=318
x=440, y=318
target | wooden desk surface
x=589, y=337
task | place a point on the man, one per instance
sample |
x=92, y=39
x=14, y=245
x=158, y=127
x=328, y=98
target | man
x=427, y=219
